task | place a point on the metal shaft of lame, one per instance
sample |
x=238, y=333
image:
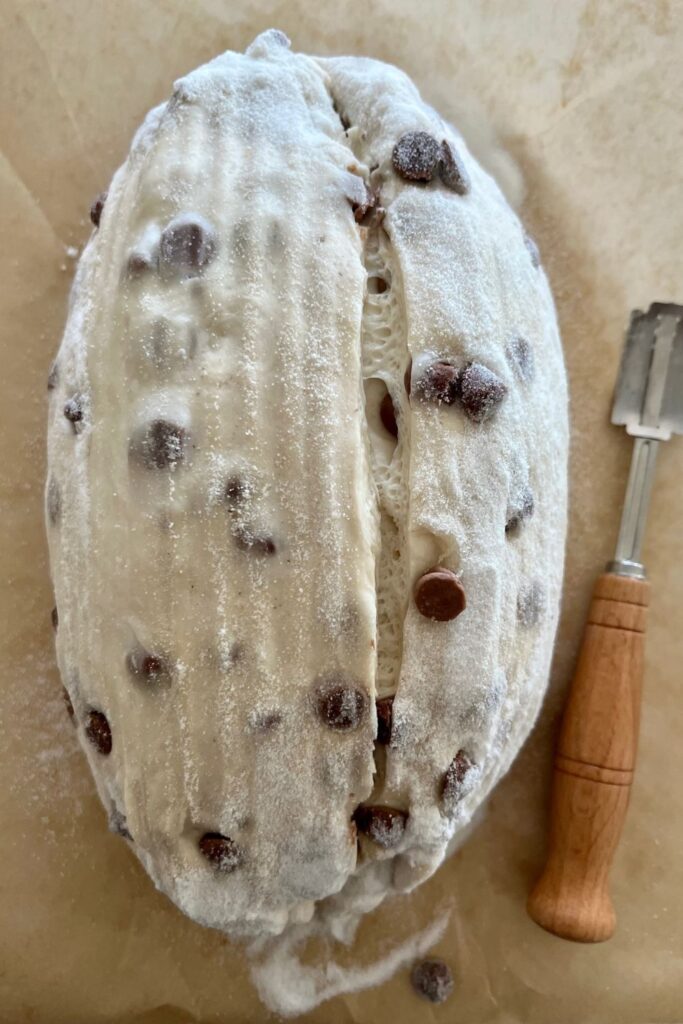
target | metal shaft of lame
x=627, y=556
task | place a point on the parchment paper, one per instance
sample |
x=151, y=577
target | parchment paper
x=586, y=95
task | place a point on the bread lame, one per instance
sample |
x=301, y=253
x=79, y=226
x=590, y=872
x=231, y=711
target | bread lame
x=597, y=746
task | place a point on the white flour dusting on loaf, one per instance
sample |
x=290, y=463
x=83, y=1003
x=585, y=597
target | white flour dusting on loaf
x=307, y=489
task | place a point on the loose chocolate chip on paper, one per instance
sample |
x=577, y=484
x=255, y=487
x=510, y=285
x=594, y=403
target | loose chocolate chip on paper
x=188, y=243
x=415, y=156
x=481, y=392
x=54, y=501
x=387, y=414
x=225, y=855
x=385, y=708
x=341, y=703
x=433, y=979
x=384, y=825
x=97, y=207
x=439, y=383
x=439, y=595
x=160, y=444
x=98, y=732
x=452, y=171
x=453, y=784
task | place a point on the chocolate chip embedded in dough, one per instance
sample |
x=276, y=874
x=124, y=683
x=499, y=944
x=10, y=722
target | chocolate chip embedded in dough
x=453, y=785
x=533, y=250
x=118, y=824
x=452, y=171
x=98, y=731
x=54, y=501
x=432, y=979
x=256, y=543
x=385, y=709
x=361, y=208
x=225, y=855
x=69, y=706
x=146, y=665
x=340, y=702
x=160, y=444
x=55, y=618
x=387, y=414
x=407, y=377
x=521, y=357
x=439, y=383
x=531, y=603
x=480, y=391
x=522, y=509
x=53, y=376
x=384, y=825
x=236, y=492
x=415, y=156
x=188, y=243
x=264, y=721
x=97, y=207
x=439, y=595
x=73, y=410
x=137, y=263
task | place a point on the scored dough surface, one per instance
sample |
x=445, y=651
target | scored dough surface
x=235, y=534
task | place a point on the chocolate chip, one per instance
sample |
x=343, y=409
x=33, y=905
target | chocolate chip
x=521, y=510
x=55, y=618
x=451, y=170
x=521, y=357
x=363, y=207
x=439, y=383
x=481, y=392
x=97, y=207
x=69, y=706
x=530, y=603
x=415, y=156
x=160, y=444
x=532, y=249
x=98, y=732
x=433, y=979
x=147, y=666
x=54, y=501
x=407, y=377
x=439, y=595
x=453, y=785
x=387, y=415
x=118, y=824
x=53, y=376
x=255, y=543
x=340, y=702
x=73, y=410
x=384, y=825
x=385, y=708
x=137, y=263
x=236, y=490
x=264, y=721
x=187, y=244
x=224, y=854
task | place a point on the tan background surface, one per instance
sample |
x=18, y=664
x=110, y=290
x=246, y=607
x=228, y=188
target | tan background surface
x=587, y=95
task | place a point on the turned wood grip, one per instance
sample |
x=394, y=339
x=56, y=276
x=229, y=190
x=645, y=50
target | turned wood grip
x=594, y=765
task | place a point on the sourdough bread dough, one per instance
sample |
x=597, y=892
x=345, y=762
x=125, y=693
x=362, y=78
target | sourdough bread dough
x=306, y=489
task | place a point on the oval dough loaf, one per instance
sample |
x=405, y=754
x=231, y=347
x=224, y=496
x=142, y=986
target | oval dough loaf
x=306, y=492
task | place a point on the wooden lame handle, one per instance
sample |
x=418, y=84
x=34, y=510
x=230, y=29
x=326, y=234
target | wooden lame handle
x=594, y=765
